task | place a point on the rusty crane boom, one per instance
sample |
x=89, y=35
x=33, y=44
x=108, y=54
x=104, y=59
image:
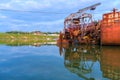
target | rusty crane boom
x=80, y=28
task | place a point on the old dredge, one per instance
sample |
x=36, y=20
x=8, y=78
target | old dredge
x=80, y=28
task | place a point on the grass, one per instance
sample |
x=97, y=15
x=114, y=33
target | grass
x=25, y=39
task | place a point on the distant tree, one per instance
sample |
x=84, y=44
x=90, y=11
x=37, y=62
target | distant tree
x=17, y=32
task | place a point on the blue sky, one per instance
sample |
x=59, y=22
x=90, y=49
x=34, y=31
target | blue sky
x=46, y=22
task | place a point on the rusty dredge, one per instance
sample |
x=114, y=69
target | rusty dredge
x=80, y=28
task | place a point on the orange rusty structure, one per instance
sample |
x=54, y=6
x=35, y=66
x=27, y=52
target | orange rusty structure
x=110, y=28
x=80, y=28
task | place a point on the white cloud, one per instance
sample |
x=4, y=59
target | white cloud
x=3, y=16
x=5, y=6
x=50, y=22
x=21, y=25
x=52, y=4
x=42, y=4
x=27, y=22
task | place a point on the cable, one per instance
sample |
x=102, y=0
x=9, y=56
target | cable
x=32, y=11
x=45, y=12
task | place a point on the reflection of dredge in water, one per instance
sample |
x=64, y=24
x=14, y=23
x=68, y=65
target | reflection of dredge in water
x=110, y=62
x=80, y=60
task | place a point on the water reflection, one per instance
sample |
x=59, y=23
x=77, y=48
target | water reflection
x=36, y=44
x=11, y=42
x=82, y=60
x=110, y=62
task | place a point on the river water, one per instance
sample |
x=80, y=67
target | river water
x=51, y=62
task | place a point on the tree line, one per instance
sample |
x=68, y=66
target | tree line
x=21, y=32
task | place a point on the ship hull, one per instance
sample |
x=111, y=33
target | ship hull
x=110, y=35
x=110, y=28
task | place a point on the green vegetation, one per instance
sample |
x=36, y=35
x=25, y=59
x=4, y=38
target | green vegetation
x=26, y=38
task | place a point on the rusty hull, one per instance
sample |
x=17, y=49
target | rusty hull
x=110, y=29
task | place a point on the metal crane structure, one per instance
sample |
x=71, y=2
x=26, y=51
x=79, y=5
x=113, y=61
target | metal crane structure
x=80, y=13
x=80, y=59
x=80, y=28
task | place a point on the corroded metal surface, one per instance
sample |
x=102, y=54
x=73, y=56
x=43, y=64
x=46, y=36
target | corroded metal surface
x=110, y=29
x=80, y=28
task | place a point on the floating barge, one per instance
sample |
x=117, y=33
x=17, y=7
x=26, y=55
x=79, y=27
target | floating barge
x=110, y=28
x=79, y=28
